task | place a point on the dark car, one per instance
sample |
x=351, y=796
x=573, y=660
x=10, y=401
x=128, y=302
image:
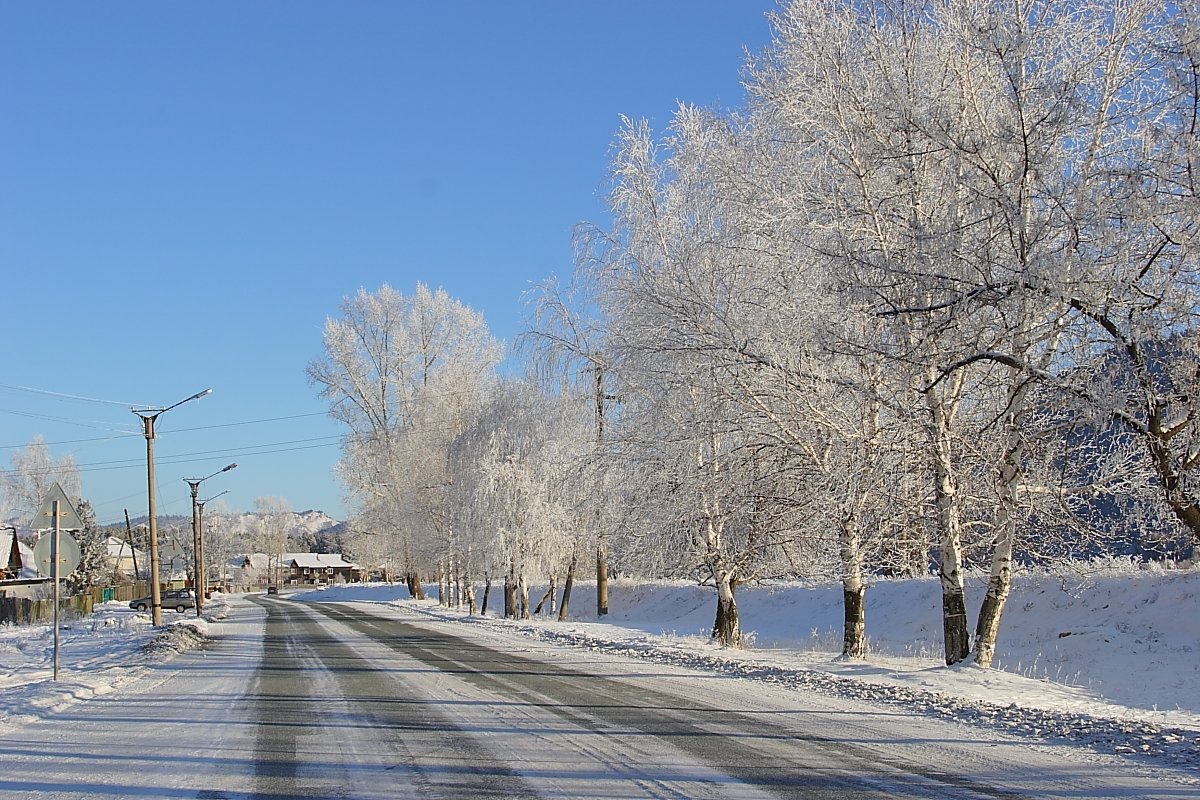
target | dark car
x=179, y=599
x=272, y=590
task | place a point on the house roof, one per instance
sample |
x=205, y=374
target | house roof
x=119, y=548
x=262, y=561
x=28, y=567
x=318, y=560
x=251, y=560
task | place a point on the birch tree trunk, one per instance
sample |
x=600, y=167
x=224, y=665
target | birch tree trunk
x=955, y=632
x=727, y=627
x=510, y=593
x=523, y=594
x=470, y=590
x=415, y=590
x=567, y=586
x=549, y=595
x=854, y=629
x=987, y=628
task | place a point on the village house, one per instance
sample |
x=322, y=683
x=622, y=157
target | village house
x=318, y=569
x=125, y=561
x=255, y=571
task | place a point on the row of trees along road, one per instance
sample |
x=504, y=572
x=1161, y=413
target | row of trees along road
x=928, y=300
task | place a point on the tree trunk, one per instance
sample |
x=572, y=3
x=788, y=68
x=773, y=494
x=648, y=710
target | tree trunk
x=602, y=542
x=854, y=632
x=854, y=627
x=487, y=590
x=955, y=632
x=602, y=576
x=549, y=595
x=567, y=586
x=470, y=592
x=1177, y=492
x=523, y=595
x=510, y=594
x=415, y=591
x=727, y=629
x=987, y=627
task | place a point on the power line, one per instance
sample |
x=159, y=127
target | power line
x=250, y=422
x=139, y=433
x=74, y=441
x=202, y=455
x=97, y=424
x=63, y=396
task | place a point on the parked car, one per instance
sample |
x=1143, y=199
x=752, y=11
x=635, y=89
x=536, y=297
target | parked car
x=179, y=599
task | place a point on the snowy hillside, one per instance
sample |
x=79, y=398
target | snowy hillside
x=298, y=522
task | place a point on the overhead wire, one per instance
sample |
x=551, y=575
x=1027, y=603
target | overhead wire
x=172, y=430
x=64, y=396
x=203, y=455
x=102, y=425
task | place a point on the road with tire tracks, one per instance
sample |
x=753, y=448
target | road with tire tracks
x=326, y=700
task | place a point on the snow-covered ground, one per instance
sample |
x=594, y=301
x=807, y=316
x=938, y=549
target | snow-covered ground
x=1109, y=657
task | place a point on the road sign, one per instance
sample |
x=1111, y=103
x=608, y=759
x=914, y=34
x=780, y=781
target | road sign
x=68, y=517
x=68, y=554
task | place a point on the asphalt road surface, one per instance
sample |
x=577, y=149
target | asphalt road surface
x=294, y=700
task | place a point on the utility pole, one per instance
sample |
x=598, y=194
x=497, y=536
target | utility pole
x=155, y=593
x=198, y=539
x=132, y=545
x=149, y=416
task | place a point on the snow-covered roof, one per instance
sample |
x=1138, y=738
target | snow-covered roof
x=28, y=567
x=317, y=560
x=263, y=561
x=119, y=548
x=259, y=561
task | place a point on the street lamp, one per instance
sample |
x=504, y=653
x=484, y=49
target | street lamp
x=204, y=575
x=149, y=416
x=197, y=540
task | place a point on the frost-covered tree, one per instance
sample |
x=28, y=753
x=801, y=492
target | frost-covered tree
x=223, y=539
x=396, y=371
x=929, y=217
x=274, y=516
x=94, y=568
x=511, y=502
x=565, y=338
x=33, y=472
x=953, y=156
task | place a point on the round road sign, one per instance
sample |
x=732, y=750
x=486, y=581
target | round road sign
x=68, y=554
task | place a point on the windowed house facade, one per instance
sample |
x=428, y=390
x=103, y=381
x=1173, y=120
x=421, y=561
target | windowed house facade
x=319, y=569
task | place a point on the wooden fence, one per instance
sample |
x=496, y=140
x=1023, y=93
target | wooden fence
x=24, y=611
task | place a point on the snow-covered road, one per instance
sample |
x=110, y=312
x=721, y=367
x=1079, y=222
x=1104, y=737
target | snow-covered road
x=348, y=700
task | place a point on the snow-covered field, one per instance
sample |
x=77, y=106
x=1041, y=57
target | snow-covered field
x=1109, y=658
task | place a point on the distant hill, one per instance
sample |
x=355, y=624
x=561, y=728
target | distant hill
x=310, y=531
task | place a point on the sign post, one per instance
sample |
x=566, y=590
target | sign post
x=57, y=508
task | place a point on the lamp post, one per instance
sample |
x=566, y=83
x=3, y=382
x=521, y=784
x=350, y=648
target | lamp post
x=204, y=573
x=149, y=416
x=197, y=539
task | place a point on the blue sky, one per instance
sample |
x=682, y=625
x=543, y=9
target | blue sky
x=188, y=190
